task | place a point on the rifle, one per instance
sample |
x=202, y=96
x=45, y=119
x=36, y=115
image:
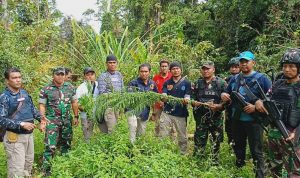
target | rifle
x=275, y=117
x=240, y=102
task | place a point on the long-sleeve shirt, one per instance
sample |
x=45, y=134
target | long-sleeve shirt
x=109, y=82
x=9, y=103
x=181, y=90
x=139, y=85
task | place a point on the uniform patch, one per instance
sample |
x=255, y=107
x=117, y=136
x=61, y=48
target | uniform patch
x=152, y=86
x=169, y=87
x=183, y=88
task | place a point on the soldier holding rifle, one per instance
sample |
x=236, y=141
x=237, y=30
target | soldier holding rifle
x=284, y=138
x=245, y=126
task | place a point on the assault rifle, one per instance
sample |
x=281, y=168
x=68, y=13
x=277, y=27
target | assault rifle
x=275, y=117
x=239, y=101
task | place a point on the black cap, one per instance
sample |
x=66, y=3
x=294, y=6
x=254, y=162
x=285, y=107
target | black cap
x=111, y=57
x=59, y=70
x=87, y=70
x=175, y=64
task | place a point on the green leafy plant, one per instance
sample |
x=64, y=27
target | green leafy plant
x=87, y=101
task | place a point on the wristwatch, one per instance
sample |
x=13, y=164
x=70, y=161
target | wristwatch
x=22, y=124
x=76, y=117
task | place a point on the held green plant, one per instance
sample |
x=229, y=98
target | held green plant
x=135, y=102
x=87, y=102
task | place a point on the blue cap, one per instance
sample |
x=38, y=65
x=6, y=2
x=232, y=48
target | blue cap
x=247, y=55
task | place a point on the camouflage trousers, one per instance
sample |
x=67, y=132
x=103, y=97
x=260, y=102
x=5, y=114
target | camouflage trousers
x=280, y=155
x=204, y=126
x=58, y=135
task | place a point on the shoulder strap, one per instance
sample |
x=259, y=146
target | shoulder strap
x=201, y=83
x=256, y=76
x=219, y=83
x=18, y=108
x=179, y=82
x=237, y=79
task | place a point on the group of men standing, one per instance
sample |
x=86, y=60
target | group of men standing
x=209, y=96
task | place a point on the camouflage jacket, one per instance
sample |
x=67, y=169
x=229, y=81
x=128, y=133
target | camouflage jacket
x=58, y=100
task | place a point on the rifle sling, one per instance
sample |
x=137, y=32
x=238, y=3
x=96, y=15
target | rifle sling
x=178, y=83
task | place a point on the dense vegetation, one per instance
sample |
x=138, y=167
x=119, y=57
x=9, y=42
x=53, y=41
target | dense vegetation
x=36, y=37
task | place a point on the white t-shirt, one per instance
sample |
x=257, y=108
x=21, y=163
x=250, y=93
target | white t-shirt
x=83, y=90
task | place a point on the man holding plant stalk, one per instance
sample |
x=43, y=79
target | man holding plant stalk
x=208, y=118
x=85, y=93
x=110, y=81
x=137, y=124
x=177, y=114
x=160, y=79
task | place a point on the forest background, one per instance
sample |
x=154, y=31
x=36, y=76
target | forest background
x=35, y=36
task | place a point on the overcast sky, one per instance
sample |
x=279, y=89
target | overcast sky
x=75, y=8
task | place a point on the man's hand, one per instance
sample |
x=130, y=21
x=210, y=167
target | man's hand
x=225, y=97
x=44, y=122
x=75, y=122
x=196, y=104
x=250, y=108
x=27, y=126
x=185, y=101
x=153, y=117
x=161, y=104
x=215, y=107
x=259, y=106
x=291, y=136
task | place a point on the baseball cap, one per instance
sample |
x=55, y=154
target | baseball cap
x=207, y=64
x=247, y=55
x=87, y=70
x=59, y=70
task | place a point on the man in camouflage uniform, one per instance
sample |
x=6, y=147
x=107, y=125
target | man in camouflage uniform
x=208, y=118
x=56, y=100
x=234, y=69
x=286, y=94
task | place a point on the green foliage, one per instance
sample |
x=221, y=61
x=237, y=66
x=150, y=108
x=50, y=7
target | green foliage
x=90, y=49
x=87, y=102
x=114, y=156
x=135, y=101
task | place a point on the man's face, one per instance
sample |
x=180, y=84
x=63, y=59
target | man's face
x=144, y=73
x=246, y=66
x=164, y=68
x=207, y=72
x=68, y=77
x=15, y=80
x=59, y=78
x=112, y=65
x=234, y=69
x=176, y=71
x=90, y=76
x=290, y=71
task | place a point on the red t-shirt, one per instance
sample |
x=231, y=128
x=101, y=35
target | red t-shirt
x=159, y=80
